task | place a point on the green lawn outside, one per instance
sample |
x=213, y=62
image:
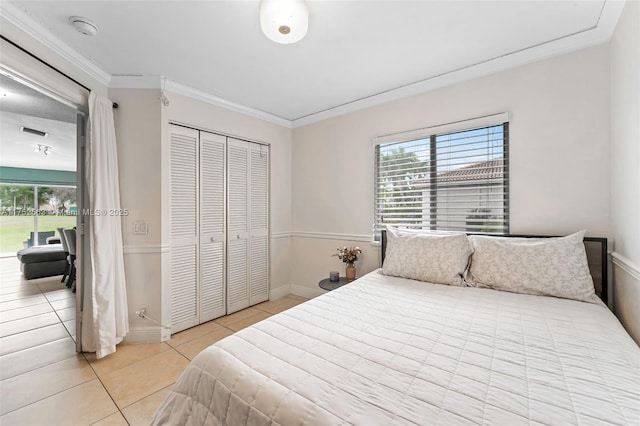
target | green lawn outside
x=14, y=230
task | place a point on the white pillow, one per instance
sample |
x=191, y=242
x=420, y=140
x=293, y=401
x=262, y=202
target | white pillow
x=435, y=258
x=541, y=266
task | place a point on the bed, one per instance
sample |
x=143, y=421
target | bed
x=393, y=350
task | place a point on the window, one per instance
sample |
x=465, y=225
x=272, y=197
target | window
x=30, y=213
x=449, y=180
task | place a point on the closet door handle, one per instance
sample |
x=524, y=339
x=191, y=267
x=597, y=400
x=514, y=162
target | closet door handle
x=238, y=236
x=213, y=239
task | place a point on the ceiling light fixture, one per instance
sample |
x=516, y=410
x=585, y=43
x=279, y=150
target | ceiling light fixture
x=84, y=25
x=34, y=132
x=284, y=21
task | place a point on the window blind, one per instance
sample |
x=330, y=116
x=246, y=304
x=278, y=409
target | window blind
x=454, y=181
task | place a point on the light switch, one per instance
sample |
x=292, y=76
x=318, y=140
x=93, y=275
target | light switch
x=140, y=227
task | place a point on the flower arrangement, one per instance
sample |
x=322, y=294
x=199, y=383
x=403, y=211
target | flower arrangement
x=348, y=254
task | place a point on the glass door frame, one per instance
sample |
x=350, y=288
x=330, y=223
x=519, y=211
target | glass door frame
x=81, y=187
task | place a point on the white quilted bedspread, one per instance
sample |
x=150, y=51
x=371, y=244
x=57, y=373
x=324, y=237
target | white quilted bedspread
x=385, y=350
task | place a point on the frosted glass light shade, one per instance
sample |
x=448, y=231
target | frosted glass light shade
x=284, y=21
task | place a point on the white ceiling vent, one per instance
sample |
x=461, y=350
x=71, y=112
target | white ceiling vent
x=84, y=25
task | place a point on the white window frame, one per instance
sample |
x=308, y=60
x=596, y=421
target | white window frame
x=430, y=134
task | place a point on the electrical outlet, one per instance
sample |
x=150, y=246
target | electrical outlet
x=142, y=312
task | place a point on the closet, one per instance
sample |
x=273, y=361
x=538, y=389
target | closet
x=219, y=225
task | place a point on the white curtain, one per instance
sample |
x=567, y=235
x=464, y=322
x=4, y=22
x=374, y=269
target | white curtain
x=105, y=314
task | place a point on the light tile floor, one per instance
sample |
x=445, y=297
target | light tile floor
x=43, y=381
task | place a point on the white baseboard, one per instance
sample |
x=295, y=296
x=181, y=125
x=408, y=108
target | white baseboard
x=153, y=334
x=279, y=292
x=307, y=292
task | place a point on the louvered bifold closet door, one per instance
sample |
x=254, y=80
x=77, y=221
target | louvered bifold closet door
x=184, y=228
x=237, y=225
x=259, y=224
x=212, y=226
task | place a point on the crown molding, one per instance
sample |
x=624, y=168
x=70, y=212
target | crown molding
x=135, y=82
x=598, y=34
x=158, y=81
x=609, y=18
x=21, y=19
x=190, y=92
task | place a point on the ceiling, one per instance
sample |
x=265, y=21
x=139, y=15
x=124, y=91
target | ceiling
x=355, y=53
x=22, y=106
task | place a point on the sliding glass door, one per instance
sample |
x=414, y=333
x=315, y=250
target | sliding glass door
x=42, y=138
x=29, y=214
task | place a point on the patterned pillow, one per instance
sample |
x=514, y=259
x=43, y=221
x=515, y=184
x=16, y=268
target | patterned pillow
x=541, y=266
x=435, y=258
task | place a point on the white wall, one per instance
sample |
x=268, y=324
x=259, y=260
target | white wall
x=559, y=152
x=625, y=167
x=138, y=135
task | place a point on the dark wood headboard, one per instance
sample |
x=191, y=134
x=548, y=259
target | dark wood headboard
x=596, y=248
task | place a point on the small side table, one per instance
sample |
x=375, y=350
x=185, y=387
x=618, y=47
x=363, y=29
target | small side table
x=327, y=284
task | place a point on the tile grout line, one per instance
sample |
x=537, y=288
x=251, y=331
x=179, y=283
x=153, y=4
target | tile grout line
x=98, y=377
x=198, y=337
x=43, y=326
x=37, y=368
x=49, y=363
x=49, y=302
x=32, y=329
x=23, y=307
x=119, y=410
x=56, y=312
x=176, y=350
x=49, y=396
